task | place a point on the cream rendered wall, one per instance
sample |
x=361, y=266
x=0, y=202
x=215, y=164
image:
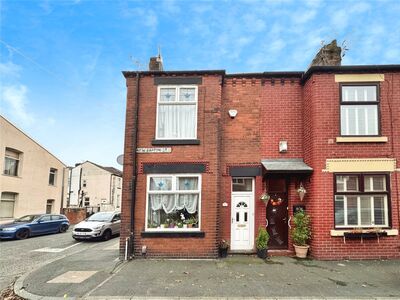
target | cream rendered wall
x=97, y=183
x=103, y=188
x=32, y=183
x=116, y=191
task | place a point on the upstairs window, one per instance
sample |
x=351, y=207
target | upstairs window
x=361, y=200
x=359, y=112
x=11, y=162
x=52, y=176
x=176, y=112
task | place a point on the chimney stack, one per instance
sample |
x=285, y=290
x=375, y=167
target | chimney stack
x=328, y=55
x=156, y=63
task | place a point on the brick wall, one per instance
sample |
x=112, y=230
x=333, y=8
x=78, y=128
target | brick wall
x=74, y=215
x=240, y=141
x=321, y=127
x=209, y=113
x=269, y=110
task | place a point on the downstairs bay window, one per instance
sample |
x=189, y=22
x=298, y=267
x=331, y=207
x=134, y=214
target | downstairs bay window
x=173, y=202
x=361, y=200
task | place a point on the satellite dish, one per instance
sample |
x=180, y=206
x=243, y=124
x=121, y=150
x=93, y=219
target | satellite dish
x=120, y=159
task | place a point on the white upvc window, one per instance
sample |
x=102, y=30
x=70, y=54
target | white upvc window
x=173, y=202
x=359, y=112
x=176, y=112
x=12, y=162
x=361, y=201
x=52, y=176
x=7, y=204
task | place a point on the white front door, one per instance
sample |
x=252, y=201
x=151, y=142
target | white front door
x=242, y=216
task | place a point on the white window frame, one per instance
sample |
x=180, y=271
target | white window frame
x=361, y=192
x=176, y=102
x=11, y=157
x=359, y=225
x=53, y=171
x=238, y=181
x=344, y=113
x=14, y=200
x=173, y=191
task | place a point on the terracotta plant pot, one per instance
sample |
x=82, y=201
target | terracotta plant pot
x=301, y=251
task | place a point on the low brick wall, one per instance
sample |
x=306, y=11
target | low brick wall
x=75, y=215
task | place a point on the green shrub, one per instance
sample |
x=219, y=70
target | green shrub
x=301, y=232
x=262, y=238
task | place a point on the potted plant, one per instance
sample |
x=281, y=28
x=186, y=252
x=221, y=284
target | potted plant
x=301, y=191
x=223, y=248
x=301, y=233
x=262, y=243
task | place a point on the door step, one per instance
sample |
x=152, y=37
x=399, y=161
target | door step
x=242, y=252
x=272, y=252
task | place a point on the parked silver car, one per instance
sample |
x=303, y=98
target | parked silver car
x=101, y=225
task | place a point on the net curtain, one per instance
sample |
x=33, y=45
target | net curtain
x=171, y=203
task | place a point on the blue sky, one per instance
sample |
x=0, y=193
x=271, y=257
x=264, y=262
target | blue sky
x=61, y=61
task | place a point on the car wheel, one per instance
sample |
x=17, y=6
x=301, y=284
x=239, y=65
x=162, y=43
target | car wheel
x=63, y=228
x=107, y=235
x=22, y=234
x=78, y=240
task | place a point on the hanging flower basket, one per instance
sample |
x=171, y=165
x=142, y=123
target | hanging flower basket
x=265, y=198
x=301, y=191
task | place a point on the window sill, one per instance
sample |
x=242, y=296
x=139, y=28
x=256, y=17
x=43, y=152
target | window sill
x=173, y=234
x=362, y=139
x=365, y=232
x=13, y=176
x=175, y=142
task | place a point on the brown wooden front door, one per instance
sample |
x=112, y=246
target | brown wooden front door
x=277, y=213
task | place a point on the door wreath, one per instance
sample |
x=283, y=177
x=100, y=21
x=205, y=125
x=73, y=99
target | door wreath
x=276, y=202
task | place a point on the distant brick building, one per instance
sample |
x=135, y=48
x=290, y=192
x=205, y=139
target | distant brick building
x=201, y=147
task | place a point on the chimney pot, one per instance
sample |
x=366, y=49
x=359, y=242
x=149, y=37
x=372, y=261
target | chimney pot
x=156, y=63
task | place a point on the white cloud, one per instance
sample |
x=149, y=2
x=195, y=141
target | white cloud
x=9, y=69
x=301, y=17
x=14, y=96
x=145, y=16
x=170, y=7
x=360, y=7
x=340, y=19
x=254, y=23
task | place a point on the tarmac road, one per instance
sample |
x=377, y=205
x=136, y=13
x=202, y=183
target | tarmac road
x=18, y=257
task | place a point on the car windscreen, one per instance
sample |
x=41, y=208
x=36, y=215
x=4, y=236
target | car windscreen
x=28, y=218
x=100, y=217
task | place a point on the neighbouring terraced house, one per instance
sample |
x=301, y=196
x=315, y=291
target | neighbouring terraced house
x=202, y=147
x=32, y=179
x=94, y=187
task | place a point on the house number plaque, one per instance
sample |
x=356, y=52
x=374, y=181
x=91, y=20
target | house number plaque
x=153, y=150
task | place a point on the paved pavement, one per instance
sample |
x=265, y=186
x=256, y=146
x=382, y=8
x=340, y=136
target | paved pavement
x=20, y=256
x=97, y=274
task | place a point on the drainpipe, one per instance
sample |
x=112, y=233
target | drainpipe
x=111, y=198
x=62, y=191
x=134, y=171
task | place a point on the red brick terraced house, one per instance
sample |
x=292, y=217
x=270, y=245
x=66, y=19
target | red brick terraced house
x=201, y=147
